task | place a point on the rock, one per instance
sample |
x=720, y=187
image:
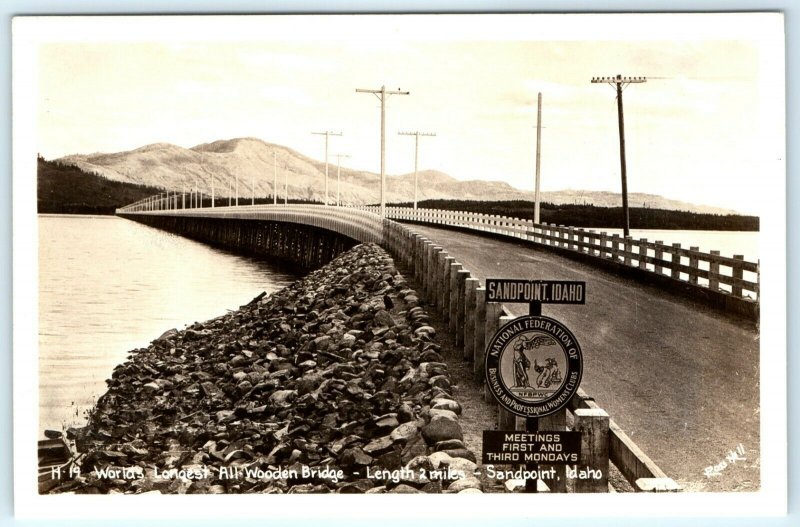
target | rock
x=383, y=318
x=385, y=422
x=439, y=458
x=443, y=414
x=169, y=334
x=356, y=487
x=515, y=485
x=440, y=381
x=379, y=446
x=470, y=491
x=390, y=461
x=52, y=434
x=425, y=332
x=308, y=383
x=433, y=487
x=450, y=444
x=404, y=489
x=282, y=397
x=470, y=482
x=462, y=465
x=441, y=430
x=446, y=404
x=461, y=453
x=404, y=433
x=415, y=447
x=354, y=457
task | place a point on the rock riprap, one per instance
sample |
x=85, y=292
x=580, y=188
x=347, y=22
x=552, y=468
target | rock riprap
x=332, y=384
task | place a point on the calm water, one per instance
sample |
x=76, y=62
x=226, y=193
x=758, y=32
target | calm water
x=109, y=285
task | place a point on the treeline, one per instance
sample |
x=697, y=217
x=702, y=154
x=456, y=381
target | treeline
x=66, y=189
x=590, y=216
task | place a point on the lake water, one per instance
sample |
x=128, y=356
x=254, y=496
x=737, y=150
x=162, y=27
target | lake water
x=109, y=285
x=727, y=242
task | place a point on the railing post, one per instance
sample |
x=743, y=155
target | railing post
x=505, y=419
x=676, y=261
x=659, y=255
x=461, y=293
x=737, y=272
x=643, y=253
x=693, y=265
x=571, y=235
x=419, y=259
x=446, y=273
x=426, y=275
x=593, y=425
x=713, y=272
x=478, y=345
x=628, y=251
x=494, y=310
x=470, y=312
x=455, y=267
x=438, y=279
x=615, y=247
x=556, y=422
x=603, y=244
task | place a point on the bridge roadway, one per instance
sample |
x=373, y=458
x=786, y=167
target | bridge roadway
x=680, y=379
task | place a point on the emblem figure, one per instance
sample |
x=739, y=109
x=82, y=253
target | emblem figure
x=549, y=374
x=521, y=366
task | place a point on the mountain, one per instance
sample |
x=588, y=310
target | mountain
x=254, y=161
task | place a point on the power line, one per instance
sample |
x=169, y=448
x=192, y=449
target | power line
x=619, y=82
x=416, y=135
x=382, y=94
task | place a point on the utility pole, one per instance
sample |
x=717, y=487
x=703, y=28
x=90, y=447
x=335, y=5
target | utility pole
x=382, y=94
x=326, y=134
x=230, y=191
x=274, y=177
x=537, y=202
x=237, y=190
x=285, y=185
x=253, y=199
x=339, y=174
x=619, y=82
x=416, y=157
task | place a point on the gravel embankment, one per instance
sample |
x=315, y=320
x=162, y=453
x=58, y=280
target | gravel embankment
x=330, y=385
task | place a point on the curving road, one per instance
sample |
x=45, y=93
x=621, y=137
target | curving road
x=680, y=379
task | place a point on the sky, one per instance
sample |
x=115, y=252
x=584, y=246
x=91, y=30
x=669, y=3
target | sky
x=707, y=126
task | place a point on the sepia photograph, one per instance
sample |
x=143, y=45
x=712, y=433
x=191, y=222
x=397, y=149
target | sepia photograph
x=482, y=254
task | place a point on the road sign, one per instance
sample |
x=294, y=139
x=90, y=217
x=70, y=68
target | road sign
x=547, y=448
x=534, y=366
x=543, y=291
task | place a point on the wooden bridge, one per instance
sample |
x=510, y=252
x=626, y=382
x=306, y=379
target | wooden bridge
x=670, y=334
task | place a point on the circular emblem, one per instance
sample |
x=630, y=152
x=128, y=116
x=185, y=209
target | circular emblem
x=533, y=366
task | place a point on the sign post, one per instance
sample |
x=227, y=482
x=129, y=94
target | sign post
x=539, y=387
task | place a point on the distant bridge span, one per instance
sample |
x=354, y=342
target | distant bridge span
x=673, y=361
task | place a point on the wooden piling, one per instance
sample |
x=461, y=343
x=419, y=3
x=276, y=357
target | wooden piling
x=593, y=425
x=453, y=309
x=479, y=344
x=461, y=292
x=446, y=274
x=470, y=313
